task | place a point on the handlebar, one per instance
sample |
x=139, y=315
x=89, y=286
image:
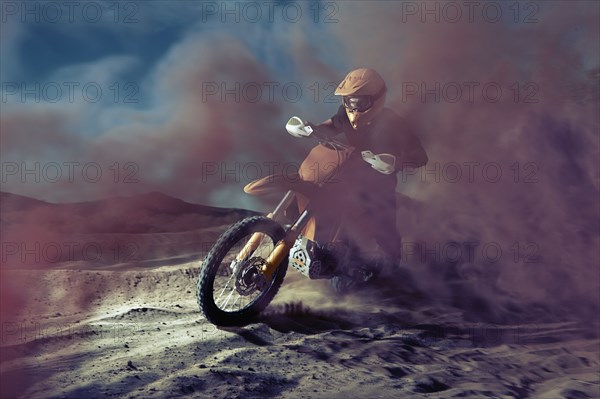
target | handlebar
x=337, y=145
x=383, y=163
x=298, y=128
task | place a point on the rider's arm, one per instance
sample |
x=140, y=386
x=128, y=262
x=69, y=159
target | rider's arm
x=399, y=138
x=325, y=129
x=413, y=154
x=334, y=125
x=328, y=129
x=415, y=158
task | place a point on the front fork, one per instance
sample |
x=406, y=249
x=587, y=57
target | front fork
x=282, y=248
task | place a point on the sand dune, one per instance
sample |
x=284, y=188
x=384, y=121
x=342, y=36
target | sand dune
x=150, y=229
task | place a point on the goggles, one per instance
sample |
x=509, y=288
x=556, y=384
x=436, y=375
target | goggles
x=357, y=103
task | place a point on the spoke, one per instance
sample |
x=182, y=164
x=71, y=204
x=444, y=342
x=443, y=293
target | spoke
x=228, y=298
x=261, y=244
x=234, y=302
x=225, y=287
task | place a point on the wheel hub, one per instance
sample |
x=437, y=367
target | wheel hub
x=249, y=278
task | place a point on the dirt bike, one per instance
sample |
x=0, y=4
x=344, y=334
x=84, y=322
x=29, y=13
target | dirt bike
x=246, y=266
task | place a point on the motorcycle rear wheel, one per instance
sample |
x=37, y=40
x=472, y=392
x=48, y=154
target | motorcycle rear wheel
x=231, y=292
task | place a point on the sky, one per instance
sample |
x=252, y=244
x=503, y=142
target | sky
x=106, y=98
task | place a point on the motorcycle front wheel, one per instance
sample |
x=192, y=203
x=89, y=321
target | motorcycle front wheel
x=233, y=291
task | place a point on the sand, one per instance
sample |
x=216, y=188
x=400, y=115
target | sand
x=139, y=333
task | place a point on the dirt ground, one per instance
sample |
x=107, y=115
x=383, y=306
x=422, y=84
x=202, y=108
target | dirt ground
x=138, y=333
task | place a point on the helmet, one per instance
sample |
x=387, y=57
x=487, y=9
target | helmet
x=363, y=94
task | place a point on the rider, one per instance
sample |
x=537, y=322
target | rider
x=384, y=145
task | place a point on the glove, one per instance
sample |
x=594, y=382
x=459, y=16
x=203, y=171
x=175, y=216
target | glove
x=297, y=128
x=383, y=163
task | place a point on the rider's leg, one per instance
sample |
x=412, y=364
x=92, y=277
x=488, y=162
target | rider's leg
x=382, y=226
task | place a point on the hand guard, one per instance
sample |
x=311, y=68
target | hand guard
x=383, y=163
x=297, y=128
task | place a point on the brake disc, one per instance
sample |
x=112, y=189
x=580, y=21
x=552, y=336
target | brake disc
x=249, y=278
